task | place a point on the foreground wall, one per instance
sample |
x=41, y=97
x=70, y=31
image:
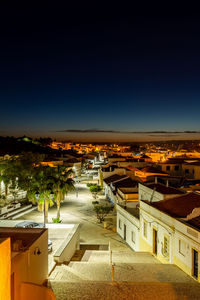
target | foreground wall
x=5, y=269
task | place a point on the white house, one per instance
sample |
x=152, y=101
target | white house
x=169, y=226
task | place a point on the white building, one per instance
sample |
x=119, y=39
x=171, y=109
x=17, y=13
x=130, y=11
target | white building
x=169, y=226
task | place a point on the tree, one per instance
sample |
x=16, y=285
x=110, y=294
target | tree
x=94, y=189
x=102, y=211
x=8, y=174
x=62, y=184
x=16, y=173
x=40, y=189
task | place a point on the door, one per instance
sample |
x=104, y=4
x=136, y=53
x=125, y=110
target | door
x=155, y=241
x=124, y=232
x=195, y=263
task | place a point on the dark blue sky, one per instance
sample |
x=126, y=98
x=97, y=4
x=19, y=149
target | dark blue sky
x=67, y=70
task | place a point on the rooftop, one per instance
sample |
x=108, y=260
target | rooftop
x=126, y=182
x=179, y=207
x=195, y=163
x=150, y=169
x=127, y=190
x=113, y=178
x=195, y=222
x=134, y=211
x=163, y=189
x=27, y=235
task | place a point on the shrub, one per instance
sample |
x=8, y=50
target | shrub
x=56, y=220
x=102, y=211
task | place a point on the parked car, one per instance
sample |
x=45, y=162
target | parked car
x=31, y=224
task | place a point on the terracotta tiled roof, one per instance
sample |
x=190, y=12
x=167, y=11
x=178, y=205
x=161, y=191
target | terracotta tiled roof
x=132, y=168
x=195, y=222
x=113, y=178
x=166, y=190
x=152, y=170
x=179, y=207
x=195, y=163
x=173, y=162
x=126, y=182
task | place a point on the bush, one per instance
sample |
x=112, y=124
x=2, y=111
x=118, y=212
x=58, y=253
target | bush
x=56, y=220
x=95, y=189
x=102, y=211
x=90, y=184
x=95, y=202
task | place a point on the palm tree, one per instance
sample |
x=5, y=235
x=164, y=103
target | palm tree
x=63, y=183
x=40, y=189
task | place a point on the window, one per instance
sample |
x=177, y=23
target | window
x=182, y=247
x=167, y=168
x=133, y=236
x=120, y=225
x=176, y=168
x=166, y=246
x=145, y=229
x=187, y=171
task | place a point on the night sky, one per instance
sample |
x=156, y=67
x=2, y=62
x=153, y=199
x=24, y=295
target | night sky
x=99, y=76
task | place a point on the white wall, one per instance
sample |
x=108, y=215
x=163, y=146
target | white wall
x=146, y=193
x=132, y=224
x=69, y=246
x=162, y=223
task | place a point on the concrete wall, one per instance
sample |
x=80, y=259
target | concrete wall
x=172, y=171
x=69, y=246
x=132, y=225
x=128, y=197
x=38, y=264
x=27, y=266
x=146, y=193
x=193, y=171
x=119, y=171
x=5, y=269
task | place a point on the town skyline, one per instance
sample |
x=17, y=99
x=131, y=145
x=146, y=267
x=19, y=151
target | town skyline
x=95, y=135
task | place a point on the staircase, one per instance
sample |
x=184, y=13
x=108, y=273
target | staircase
x=16, y=213
x=92, y=275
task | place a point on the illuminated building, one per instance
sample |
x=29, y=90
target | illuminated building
x=24, y=264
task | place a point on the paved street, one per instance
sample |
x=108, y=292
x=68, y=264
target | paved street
x=78, y=208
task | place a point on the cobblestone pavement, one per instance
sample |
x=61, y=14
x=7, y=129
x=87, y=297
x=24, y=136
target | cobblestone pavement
x=125, y=291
